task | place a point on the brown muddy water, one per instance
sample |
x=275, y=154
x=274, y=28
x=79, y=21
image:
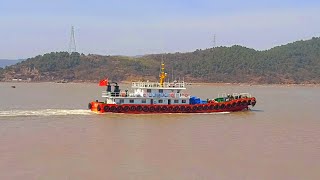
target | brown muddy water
x=47, y=133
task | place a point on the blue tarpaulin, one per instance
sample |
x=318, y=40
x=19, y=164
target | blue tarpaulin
x=196, y=100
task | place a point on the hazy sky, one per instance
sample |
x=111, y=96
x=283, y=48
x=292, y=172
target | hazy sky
x=134, y=27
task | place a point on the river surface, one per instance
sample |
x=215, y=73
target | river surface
x=46, y=132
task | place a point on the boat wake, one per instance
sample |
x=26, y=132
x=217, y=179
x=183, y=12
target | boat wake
x=215, y=113
x=45, y=112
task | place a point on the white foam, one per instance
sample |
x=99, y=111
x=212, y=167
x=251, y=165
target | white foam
x=45, y=112
x=65, y=112
x=216, y=113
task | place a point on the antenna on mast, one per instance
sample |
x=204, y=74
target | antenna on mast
x=172, y=74
x=161, y=63
x=72, y=43
x=214, y=40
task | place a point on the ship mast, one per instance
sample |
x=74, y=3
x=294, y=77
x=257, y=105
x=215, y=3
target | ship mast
x=162, y=75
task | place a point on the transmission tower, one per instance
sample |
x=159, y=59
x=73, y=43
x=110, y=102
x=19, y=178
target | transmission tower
x=72, y=43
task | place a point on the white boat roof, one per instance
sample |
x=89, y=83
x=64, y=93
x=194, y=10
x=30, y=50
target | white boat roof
x=157, y=85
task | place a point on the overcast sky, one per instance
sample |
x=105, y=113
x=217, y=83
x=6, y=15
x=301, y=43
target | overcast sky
x=136, y=27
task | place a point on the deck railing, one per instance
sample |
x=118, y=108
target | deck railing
x=145, y=95
x=234, y=95
x=158, y=85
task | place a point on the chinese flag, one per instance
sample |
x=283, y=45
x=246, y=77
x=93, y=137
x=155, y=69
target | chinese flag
x=103, y=82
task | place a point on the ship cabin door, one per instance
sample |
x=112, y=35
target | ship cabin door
x=169, y=101
x=151, y=101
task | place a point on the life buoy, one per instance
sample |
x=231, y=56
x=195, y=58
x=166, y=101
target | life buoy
x=151, y=109
x=145, y=108
x=144, y=95
x=120, y=108
x=132, y=108
x=186, y=95
x=164, y=108
x=116, y=109
x=139, y=108
x=98, y=108
x=228, y=105
x=172, y=95
x=89, y=106
x=176, y=109
x=157, y=108
x=188, y=109
x=126, y=108
x=106, y=108
x=194, y=108
x=112, y=108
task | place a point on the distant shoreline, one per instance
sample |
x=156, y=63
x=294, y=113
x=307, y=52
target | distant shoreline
x=188, y=83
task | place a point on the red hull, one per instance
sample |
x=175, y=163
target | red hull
x=234, y=105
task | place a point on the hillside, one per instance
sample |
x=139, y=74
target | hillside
x=297, y=62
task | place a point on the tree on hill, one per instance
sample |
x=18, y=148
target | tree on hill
x=1, y=73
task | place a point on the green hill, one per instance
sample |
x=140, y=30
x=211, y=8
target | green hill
x=297, y=62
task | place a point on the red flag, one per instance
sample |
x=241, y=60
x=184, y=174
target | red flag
x=103, y=82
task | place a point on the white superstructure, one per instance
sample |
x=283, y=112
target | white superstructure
x=149, y=93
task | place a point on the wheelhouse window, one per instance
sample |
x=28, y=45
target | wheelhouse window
x=160, y=101
x=148, y=90
x=176, y=101
x=143, y=101
x=121, y=101
x=131, y=100
x=184, y=101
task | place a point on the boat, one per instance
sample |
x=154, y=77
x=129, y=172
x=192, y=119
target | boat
x=165, y=97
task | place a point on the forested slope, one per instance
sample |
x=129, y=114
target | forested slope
x=297, y=62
